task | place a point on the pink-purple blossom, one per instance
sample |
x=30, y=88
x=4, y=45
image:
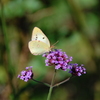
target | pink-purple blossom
x=77, y=70
x=26, y=75
x=58, y=59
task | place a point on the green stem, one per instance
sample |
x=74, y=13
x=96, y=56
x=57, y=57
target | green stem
x=8, y=68
x=80, y=17
x=41, y=82
x=80, y=20
x=5, y=32
x=63, y=81
x=51, y=86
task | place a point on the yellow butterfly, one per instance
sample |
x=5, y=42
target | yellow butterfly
x=39, y=43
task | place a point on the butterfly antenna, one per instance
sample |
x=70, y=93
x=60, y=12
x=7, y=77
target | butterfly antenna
x=54, y=44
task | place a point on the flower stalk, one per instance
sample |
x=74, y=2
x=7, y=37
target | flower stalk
x=61, y=82
x=51, y=86
x=41, y=82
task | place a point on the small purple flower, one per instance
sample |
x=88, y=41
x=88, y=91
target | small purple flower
x=58, y=59
x=26, y=75
x=77, y=70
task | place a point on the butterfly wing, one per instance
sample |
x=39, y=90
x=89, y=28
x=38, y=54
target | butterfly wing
x=38, y=35
x=38, y=47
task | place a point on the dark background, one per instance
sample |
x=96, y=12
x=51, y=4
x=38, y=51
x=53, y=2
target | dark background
x=74, y=23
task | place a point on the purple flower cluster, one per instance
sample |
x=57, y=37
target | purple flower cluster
x=26, y=75
x=58, y=59
x=77, y=70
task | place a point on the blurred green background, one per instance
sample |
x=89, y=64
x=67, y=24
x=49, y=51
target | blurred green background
x=74, y=23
